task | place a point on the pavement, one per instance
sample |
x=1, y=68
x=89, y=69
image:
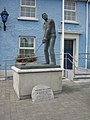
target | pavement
x=73, y=103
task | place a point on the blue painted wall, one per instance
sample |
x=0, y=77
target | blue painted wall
x=89, y=35
x=82, y=27
x=9, y=39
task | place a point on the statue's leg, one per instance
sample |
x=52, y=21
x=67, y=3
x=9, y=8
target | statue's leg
x=52, y=54
x=46, y=46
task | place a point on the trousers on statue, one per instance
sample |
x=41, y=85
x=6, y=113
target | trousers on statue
x=49, y=47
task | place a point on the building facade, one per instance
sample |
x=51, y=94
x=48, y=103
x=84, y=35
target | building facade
x=24, y=33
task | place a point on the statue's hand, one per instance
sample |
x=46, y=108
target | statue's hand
x=43, y=41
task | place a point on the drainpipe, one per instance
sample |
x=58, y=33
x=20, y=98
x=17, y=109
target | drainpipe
x=62, y=65
x=86, y=34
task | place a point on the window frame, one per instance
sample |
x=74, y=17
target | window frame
x=69, y=10
x=27, y=18
x=26, y=48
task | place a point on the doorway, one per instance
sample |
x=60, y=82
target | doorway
x=68, y=54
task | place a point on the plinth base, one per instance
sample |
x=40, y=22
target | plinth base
x=25, y=79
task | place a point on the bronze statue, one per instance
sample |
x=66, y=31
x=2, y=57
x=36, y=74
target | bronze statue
x=49, y=38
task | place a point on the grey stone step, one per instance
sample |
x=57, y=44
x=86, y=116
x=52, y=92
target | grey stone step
x=82, y=76
x=7, y=78
x=82, y=81
x=2, y=78
x=79, y=78
x=82, y=73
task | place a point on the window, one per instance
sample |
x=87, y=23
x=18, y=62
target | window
x=28, y=8
x=26, y=46
x=70, y=10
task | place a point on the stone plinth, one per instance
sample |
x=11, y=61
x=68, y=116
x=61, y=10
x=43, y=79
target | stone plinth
x=25, y=79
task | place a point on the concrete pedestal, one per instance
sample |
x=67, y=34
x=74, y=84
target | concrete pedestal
x=25, y=79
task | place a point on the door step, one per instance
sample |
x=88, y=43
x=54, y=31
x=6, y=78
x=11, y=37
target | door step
x=80, y=76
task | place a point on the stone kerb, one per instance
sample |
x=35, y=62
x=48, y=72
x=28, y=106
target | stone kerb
x=41, y=93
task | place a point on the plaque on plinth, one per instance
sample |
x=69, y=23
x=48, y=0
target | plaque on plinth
x=42, y=93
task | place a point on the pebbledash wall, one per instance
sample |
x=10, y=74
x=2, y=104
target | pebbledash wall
x=9, y=39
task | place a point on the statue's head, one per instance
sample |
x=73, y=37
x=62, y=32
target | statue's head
x=45, y=16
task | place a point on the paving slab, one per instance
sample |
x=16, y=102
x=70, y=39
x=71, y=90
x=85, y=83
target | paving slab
x=73, y=103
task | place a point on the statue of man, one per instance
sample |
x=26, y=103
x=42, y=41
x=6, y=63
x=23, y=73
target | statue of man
x=49, y=38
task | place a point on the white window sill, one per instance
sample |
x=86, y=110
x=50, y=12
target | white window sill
x=70, y=22
x=27, y=19
x=70, y=31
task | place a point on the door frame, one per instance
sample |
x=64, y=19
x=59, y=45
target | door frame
x=75, y=38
